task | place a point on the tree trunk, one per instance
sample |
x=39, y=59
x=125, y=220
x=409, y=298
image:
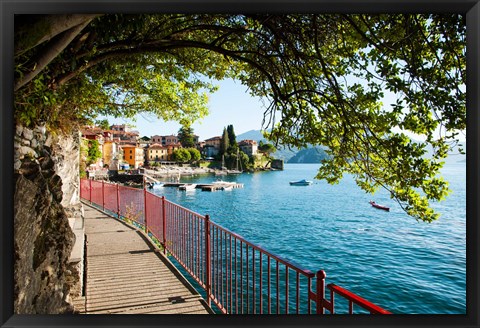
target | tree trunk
x=54, y=48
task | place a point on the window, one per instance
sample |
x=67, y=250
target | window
x=130, y=156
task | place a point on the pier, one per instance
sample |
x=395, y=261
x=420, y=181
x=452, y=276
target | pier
x=207, y=186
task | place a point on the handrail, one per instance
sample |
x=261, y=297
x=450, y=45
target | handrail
x=355, y=299
x=237, y=275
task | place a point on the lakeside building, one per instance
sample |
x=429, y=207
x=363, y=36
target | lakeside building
x=93, y=133
x=157, y=153
x=144, y=142
x=120, y=128
x=249, y=147
x=133, y=155
x=165, y=140
x=111, y=154
x=124, y=134
x=211, y=146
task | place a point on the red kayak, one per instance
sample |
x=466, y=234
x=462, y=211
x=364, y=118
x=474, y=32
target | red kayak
x=385, y=208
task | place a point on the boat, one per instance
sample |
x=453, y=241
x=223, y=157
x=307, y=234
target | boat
x=302, y=182
x=221, y=182
x=154, y=185
x=231, y=172
x=381, y=207
x=187, y=186
x=228, y=187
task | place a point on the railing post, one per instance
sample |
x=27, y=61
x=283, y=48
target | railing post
x=208, y=278
x=118, y=201
x=321, y=275
x=145, y=205
x=164, y=225
x=90, y=191
x=103, y=195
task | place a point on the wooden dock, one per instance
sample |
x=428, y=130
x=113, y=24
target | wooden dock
x=208, y=186
x=126, y=274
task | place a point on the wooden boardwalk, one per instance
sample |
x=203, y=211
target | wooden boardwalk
x=127, y=275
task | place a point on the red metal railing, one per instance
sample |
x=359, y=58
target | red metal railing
x=238, y=277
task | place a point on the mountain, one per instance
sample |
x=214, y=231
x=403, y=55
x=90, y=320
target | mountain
x=251, y=135
x=316, y=154
x=309, y=155
x=293, y=155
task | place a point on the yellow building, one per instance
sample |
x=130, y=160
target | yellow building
x=157, y=153
x=133, y=155
x=110, y=154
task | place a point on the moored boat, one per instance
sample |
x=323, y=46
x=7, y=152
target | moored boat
x=302, y=182
x=153, y=185
x=187, y=186
x=381, y=207
x=234, y=172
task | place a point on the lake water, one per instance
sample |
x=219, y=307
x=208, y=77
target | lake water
x=389, y=258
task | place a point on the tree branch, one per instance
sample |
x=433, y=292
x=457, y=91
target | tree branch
x=55, y=47
x=44, y=29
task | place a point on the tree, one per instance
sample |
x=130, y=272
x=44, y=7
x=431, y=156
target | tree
x=194, y=154
x=93, y=152
x=224, y=143
x=186, y=137
x=266, y=148
x=103, y=124
x=181, y=155
x=324, y=76
x=232, y=138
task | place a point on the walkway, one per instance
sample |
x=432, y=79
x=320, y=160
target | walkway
x=127, y=275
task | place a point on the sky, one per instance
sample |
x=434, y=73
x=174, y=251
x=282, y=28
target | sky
x=231, y=104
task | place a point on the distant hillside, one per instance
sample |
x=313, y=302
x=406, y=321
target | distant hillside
x=293, y=155
x=309, y=155
x=316, y=154
x=251, y=135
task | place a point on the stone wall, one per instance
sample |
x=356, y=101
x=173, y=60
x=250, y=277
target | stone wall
x=46, y=196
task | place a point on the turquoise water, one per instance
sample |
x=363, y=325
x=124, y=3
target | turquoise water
x=389, y=258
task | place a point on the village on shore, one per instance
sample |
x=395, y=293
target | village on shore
x=120, y=149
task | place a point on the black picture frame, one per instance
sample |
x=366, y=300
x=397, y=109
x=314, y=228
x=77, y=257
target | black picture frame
x=9, y=8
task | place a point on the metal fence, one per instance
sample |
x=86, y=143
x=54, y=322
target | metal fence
x=238, y=277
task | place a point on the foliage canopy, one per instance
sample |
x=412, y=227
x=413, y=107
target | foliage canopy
x=324, y=77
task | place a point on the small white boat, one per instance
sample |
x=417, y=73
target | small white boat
x=302, y=182
x=221, y=182
x=187, y=186
x=227, y=188
x=155, y=185
x=234, y=172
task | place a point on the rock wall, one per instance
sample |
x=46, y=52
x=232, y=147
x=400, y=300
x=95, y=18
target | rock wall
x=46, y=195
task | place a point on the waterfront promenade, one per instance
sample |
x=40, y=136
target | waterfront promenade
x=126, y=274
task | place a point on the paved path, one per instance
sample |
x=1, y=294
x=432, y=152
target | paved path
x=126, y=275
